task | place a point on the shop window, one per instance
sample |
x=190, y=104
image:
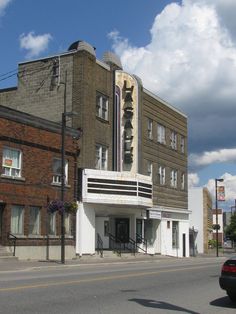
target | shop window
x=17, y=220
x=175, y=234
x=52, y=223
x=34, y=220
x=11, y=162
x=67, y=223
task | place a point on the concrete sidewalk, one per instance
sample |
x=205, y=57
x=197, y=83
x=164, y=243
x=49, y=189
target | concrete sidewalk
x=14, y=265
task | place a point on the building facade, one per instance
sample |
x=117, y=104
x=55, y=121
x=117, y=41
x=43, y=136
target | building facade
x=30, y=154
x=133, y=160
x=201, y=219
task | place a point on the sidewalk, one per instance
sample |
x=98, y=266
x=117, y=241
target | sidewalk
x=14, y=265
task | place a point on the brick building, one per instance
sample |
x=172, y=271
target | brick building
x=30, y=151
x=133, y=157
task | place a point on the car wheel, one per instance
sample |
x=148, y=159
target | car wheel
x=232, y=295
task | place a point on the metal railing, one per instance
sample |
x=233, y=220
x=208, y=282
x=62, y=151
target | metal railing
x=141, y=240
x=119, y=246
x=99, y=245
x=13, y=238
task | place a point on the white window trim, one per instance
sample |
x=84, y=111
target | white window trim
x=161, y=134
x=56, y=178
x=150, y=129
x=162, y=175
x=10, y=168
x=182, y=144
x=149, y=168
x=173, y=140
x=173, y=178
x=101, y=157
x=102, y=100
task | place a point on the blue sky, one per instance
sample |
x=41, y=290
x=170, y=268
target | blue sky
x=184, y=51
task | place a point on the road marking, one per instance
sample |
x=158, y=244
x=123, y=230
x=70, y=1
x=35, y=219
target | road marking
x=74, y=282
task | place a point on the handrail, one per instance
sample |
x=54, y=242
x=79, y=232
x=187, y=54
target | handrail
x=13, y=238
x=140, y=239
x=130, y=245
x=99, y=245
x=117, y=242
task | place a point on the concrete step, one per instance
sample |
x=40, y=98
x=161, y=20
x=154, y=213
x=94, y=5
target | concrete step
x=5, y=255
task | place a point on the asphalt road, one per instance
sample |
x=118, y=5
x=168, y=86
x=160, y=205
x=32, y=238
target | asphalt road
x=166, y=286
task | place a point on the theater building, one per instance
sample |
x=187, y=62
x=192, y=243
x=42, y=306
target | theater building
x=132, y=187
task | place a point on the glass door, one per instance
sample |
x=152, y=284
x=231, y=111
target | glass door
x=122, y=229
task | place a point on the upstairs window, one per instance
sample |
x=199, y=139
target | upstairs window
x=101, y=157
x=161, y=134
x=182, y=144
x=173, y=178
x=56, y=167
x=149, y=129
x=173, y=140
x=162, y=175
x=102, y=106
x=149, y=168
x=11, y=162
x=183, y=181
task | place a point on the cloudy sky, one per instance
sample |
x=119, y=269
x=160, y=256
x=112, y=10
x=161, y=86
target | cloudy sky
x=184, y=51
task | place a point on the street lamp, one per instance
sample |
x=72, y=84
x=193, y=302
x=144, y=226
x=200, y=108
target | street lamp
x=217, y=225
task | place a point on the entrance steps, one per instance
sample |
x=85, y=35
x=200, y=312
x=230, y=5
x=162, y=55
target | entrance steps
x=5, y=255
x=111, y=255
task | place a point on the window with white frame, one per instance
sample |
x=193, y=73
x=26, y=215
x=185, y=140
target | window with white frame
x=175, y=234
x=17, y=219
x=149, y=128
x=52, y=224
x=67, y=223
x=161, y=134
x=102, y=106
x=173, y=178
x=56, y=167
x=162, y=175
x=34, y=220
x=101, y=157
x=182, y=181
x=182, y=144
x=149, y=168
x=11, y=162
x=173, y=140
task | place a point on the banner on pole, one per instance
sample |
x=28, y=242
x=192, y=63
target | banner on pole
x=221, y=193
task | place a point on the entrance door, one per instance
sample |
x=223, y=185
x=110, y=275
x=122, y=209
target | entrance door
x=122, y=229
x=1, y=222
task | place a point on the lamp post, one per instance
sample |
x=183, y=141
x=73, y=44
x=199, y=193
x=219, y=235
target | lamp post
x=216, y=191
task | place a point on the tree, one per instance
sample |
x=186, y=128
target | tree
x=231, y=229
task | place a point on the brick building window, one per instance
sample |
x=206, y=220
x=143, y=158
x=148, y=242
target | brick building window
x=182, y=144
x=67, y=218
x=52, y=224
x=34, y=220
x=11, y=162
x=17, y=219
x=149, y=168
x=102, y=106
x=162, y=175
x=173, y=140
x=182, y=181
x=173, y=178
x=101, y=157
x=57, y=171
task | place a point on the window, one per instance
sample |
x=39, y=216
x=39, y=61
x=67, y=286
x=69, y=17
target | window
x=52, y=223
x=161, y=134
x=162, y=175
x=173, y=178
x=101, y=157
x=17, y=216
x=11, y=162
x=57, y=171
x=173, y=140
x=106, y=228
x=34, y=220
x=67, y=223
x=182, y=181
x=182, y=144
x=175, y=234
x=149, y=129
x=149, y=168
x=102, y=106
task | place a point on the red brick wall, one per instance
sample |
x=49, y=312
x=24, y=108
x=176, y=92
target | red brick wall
x=38, y=147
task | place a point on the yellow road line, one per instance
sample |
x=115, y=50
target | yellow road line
x=73, y=282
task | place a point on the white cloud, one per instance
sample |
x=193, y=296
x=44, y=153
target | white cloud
x=208, y=158
x=34, y=44
x=193, y=180
x=191, y=62
x=3, y=5
x=230, y=187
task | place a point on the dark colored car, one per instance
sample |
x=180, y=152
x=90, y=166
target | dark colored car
x=227, y=279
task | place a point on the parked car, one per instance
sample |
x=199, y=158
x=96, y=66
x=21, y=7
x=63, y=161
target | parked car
x=227, y=279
